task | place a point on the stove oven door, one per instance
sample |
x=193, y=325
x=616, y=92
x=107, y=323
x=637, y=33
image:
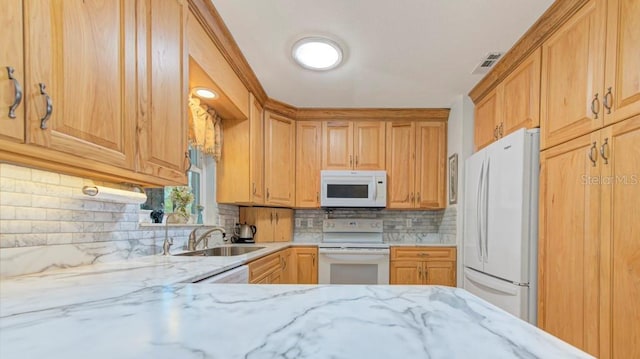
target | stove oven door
x=353, y=266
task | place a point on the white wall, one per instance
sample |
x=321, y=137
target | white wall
x=460, y=141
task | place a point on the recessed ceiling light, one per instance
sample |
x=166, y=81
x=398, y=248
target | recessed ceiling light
x=317, y=53
x=205, y=92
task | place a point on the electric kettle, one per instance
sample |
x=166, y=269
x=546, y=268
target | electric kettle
x=244, y=232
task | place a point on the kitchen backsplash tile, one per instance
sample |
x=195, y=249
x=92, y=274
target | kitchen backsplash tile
x=46, y=222
x=399, y=226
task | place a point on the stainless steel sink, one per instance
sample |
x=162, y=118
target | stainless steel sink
x=221, y=251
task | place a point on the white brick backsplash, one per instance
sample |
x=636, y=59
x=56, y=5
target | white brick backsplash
x=59, y=214
x=15, y=226
x=7, y=240
x=15, y=199
x=71, y=181
x=31, y=239
x=58, y=238
x=17, y=172
x=71, y=227
x=30, y=213
x=45, y=226
x=103, y=217
x=92, y=227
x=110, y=226
x=45, y=177
x=71, y=203
x=128, y=226
x=7, y=212
x=31, y=187
x=46, y=202
x=91, y=205
x=83, y=237
x=58, y=190
x=7, y=184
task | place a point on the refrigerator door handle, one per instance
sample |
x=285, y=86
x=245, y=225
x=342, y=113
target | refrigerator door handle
x=486, y=213
x=479, y=212
x=487, y=282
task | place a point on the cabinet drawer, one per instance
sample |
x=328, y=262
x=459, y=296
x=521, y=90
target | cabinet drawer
x=263, y=267
x=423, y=253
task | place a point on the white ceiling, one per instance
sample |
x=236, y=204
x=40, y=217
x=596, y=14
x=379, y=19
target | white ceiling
x=406, y=53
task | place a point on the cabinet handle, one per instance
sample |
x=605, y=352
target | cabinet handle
x=317, y=197
x=187, y=158
x=276, y=217
x=313, y=259
x=595, y=110
x=267, y=194
x=495, y=133
x=604, y=146
x=356, y=161
x=501, y=129
x=254, y=188
x=18, y=93
x=418, y=198
x=593, y=157
x=411, y=198
x=426, y=275
x=47, y=115
x=419, y=272
x=607, y=101
x=271, y=221
x=351, y=161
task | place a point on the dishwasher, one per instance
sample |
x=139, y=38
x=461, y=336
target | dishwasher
x=238, y=275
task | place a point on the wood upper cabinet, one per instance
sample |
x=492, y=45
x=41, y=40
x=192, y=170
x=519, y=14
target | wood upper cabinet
x=423, y=265
x=279, y=160
x=90, y=81
x=621, y=97
x=256, y=151
x=513, y=104
x=431, y=156
x=353, y=145
x=486, y=117
x=569, y=229
x=163, y=81
x=573, y=77
x=416, y=164
x=272, y=224
x=308, y=163
x=306, y=259
x=11, y=81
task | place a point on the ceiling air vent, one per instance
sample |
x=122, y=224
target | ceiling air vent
x=487, y=63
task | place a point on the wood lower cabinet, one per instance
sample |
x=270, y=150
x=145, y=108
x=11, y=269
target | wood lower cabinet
x=308, y=163
x=353, y=145
x=306, y=259
x=279, y=160
x=513, y=104
x=266, y=270
x=416, y=164
x=588, y=241
x=272, y=224
x=423, y=265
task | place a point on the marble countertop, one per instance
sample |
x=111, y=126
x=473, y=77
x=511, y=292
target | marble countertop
x=144, y=309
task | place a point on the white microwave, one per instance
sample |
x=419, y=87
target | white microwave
x=356, y=189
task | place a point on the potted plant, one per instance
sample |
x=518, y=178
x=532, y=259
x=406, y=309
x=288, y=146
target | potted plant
x=181, y=198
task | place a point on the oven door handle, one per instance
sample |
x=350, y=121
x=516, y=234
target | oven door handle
x=355, y=251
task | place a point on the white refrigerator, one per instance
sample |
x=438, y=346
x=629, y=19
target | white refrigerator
x=501, y=223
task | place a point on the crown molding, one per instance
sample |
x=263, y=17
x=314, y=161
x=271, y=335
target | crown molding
x=307, y=113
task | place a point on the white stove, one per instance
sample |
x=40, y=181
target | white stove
x=352, y=252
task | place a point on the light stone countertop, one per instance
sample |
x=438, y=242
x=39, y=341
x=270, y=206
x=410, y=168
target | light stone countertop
x=142, y=309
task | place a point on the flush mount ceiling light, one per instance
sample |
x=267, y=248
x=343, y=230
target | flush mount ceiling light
x=317, y=53
x=204, y=92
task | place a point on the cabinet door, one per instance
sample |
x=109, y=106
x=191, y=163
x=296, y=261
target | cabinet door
x=368, y=145
x=521, y=96
x=573, y=77
x=569, y=229
x=84, y=54
x=308, y=163
x=431, y=164
x=337, y=145
x=486, y=118
x=620, y=251
x=400, y=164
x=11, y=56
x=288, y=266
x=405, y=272
x=279, y=160
x=622, y=86
x=163, y=70
x=283, y=224
x=256, y=151
x=440, y=273
x=307, y=265
x=262, y=218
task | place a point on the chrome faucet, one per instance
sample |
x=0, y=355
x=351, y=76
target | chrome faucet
x=168, y=242
x=193, y=242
